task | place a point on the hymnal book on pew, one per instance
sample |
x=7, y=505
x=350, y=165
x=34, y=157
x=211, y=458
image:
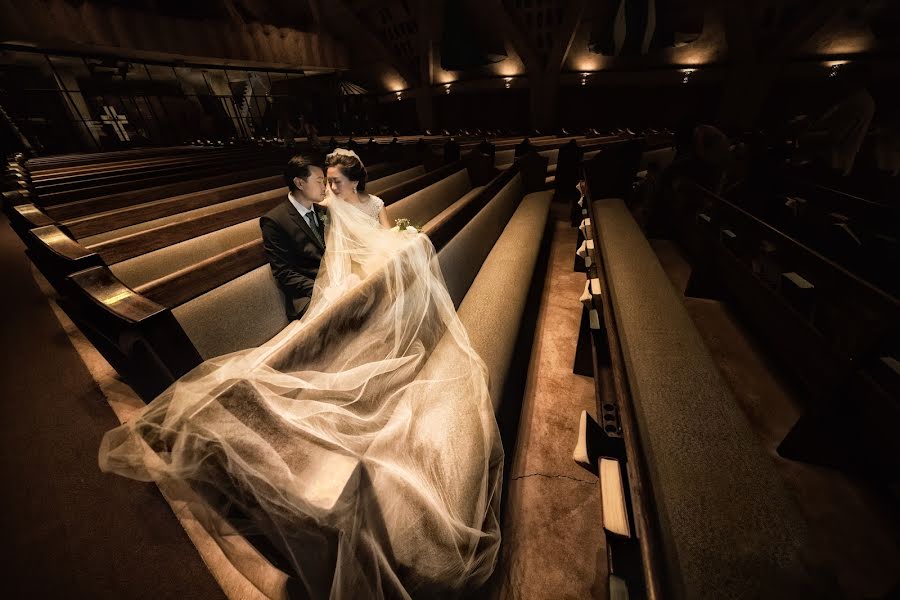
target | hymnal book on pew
x=612, y=491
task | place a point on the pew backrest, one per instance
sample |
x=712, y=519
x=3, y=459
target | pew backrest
x=245, y=312
x=144, y=268
x=379, y=185
x=419, y=207
x=462, y=255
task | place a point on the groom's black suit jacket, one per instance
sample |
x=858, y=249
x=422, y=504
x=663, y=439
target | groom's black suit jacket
x=294, y=252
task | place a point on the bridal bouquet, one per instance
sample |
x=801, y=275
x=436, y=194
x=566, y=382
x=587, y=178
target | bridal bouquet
x=403, y=225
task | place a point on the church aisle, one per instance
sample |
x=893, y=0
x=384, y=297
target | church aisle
x=553, y=543
x=72, y=531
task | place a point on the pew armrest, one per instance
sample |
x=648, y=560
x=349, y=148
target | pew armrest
x=30, y=216
x=56, y=241
x=105, y=291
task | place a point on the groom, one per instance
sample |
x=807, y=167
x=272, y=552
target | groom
x=294, y=234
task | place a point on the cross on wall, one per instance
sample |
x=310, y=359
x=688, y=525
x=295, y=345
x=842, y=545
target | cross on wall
x=117, y=121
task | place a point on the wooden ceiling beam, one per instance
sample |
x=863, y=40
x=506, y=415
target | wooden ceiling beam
x=564, y=35
x=343, y=20
x=494, y=12
x=429, y=22
x=824, y=12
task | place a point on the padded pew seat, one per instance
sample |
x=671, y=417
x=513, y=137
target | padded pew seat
x=507, y=271
x=729, y=527
x=423, y=205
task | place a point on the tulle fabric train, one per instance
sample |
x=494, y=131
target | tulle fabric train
x=361, y=441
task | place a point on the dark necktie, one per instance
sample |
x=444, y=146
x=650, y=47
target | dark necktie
x=314, y=225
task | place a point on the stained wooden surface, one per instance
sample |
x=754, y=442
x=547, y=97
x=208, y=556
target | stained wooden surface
x=139, y=243
x=197, y=279
x=140, y=213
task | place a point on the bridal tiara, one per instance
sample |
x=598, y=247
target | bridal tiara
x=344, y=152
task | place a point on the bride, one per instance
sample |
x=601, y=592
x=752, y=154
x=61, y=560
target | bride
x=361, y=440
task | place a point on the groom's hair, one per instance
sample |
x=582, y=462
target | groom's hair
x=351, y=167
x=298, y=166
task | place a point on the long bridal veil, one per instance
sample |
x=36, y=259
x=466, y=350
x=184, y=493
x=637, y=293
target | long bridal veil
x=360, y=441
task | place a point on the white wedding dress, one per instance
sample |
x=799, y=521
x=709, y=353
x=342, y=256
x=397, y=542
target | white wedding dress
x=361, y=441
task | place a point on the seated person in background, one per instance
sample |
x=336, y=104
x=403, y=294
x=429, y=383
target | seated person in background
x=523, y=148
x=294, y=234
x=836, y=137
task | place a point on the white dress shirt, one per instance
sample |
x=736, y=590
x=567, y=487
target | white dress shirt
x=304, y=211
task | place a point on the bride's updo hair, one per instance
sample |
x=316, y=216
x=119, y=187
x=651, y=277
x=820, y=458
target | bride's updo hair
x=351, y=167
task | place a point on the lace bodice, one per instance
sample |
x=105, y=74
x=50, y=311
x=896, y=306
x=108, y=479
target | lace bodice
x=372, y=206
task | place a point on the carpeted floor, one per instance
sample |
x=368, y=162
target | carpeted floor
x=72, y=531
x=553, y=542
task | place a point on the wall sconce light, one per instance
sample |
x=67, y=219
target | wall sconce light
x=835, y=67
x=687, y=75
x=507, y=81
x=584, y=78
x=399, y=96
x=447, y=88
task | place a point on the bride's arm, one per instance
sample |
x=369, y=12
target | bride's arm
x=383, y=218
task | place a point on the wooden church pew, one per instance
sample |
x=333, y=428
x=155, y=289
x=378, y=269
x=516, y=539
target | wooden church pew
x=858, y=233
x=171, y=279
x=84, y=174
x=619, y=161
x=703, y=500
x=136, y=165
x=576, y=150
x=89, y=217
x=546, y=147
x=63, y=160
x=500, y=244
x=832, y=330
x=80, y=190
x=28, y=179
x=126, y=234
